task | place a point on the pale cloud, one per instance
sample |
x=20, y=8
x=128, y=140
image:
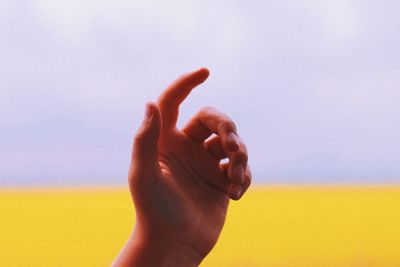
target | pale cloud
x=341, y=21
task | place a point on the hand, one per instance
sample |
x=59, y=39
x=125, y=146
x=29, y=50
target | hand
x=179, y=187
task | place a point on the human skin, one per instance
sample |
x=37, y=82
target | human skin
x=179, y=186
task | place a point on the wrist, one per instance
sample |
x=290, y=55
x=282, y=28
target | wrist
x=146, y=250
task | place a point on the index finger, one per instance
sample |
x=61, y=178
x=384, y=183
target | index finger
x=174, y=95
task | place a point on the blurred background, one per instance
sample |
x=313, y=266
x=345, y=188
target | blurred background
x=313, y=85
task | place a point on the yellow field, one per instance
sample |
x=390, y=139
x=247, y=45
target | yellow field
x=271, y=226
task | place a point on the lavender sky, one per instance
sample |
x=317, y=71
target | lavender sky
x=314, y=86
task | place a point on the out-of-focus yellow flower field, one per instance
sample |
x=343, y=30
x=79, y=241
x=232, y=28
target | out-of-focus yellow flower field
x=270, y=226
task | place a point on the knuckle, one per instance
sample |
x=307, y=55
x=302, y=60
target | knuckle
x=243, y=145
x=250, y=178
x=248, y=171
x=242, y=156
x=141, y=134
x=226, y=125
x=138, y=138
x=224, y=122
x=243, y=148
x=139, y=141
x=205, y=111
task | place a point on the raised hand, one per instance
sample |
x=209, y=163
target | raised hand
x=179, y=187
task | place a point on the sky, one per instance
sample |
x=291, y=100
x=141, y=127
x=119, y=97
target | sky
x=314, y=86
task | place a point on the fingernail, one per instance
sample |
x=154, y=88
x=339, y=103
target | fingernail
x=149, y=112
x=238, y=172
x=236, y=191
x=233, y=140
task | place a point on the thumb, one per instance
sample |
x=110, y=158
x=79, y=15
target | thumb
x=145, y=145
